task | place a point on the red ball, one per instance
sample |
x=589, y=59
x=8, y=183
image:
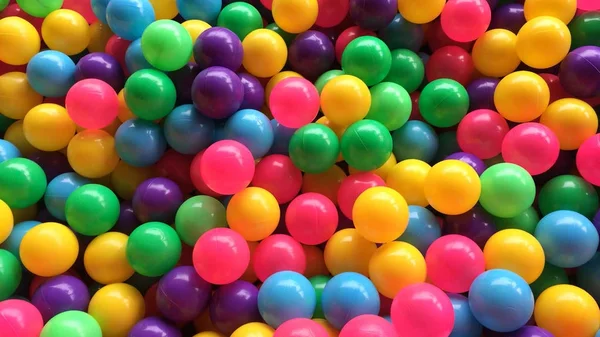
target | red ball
x=311, y=218
x=278, y=253
x=481, y=133
x=117, y=47
x=197, y=179
x=556, y=89
x=450, y=62
x=176, y=166
x=437, y=38
x=277, y=174
x=332, y=12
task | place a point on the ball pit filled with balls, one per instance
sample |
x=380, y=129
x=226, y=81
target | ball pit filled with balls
x=299, y=168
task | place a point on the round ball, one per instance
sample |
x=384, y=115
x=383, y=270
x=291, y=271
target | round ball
x=153, y=249
x=45, y=242
x=221, y=256
x=452, y=187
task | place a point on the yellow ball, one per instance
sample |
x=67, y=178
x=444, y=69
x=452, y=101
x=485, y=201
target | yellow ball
x=16, y=95
x=295, y=16
x=380, y=214
x=265, y=53
x=254, y=329
x=208, y=334
x=348, y=251
x=567, y=311
x=253, y=213
x=345, y=100
x=19, y=41
x=48, y=127
x=124, y=113
x=195, y=28
x=563, y=10
x=396, y=265
x=521, y=96
x=7, y=221
x=49, y=249
x=66, y=31
x=100, y=33
x=572, y=120
x=105, y=260
x=408, y=178
x=276, y=79
x=543, y=42
x=495, y=54
x=331, y=331
x=117, y=307
x=164, y=9
x=92, y=153
x=383, y=171
x=126, y=178
x=420, y=12
x=15, y=135
x=452, y=187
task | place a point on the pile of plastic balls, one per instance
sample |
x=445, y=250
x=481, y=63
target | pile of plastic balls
x=299, y=168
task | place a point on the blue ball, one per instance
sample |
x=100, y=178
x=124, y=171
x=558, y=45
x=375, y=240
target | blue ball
x=501, y=300
x=134, y=59
x=187, y=130
x=251, y=128
x=8, y=150
x=129, y=18
x=51, y=73
x=205, y=10
x=415, y=140
x=348, y=295
x=219, y=133
x=423, y=228
x=286, y=295
x=140, y=143
x=569, y=239
x=281, y=138
x=59, y=189
x=465, y=324
x=13, y=242
x=588, y=277
x=99, y=9
x=402, y=34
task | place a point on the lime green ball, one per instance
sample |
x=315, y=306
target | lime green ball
x=367, y=58
x=3, y=4
x=568, y=192
x=526, y=221
x=326, y=77
x=319, y=282
x=92, y=209
x=153, y=249
x=507, y=190
x=39, y=8
x=150, y=94
x=390, y=105
x=166, y=45
x=551, y=276
x=314, y=148
x=366, y=145
x=72, y=323
x=241, y=18
x=197, y=215
x=407, y=69
x=10, y=274
x=22, y=182
x=444, y=103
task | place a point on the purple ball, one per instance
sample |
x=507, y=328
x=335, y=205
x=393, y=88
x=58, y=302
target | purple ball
x=59, y=294
x=157, y=199
x=373, y=14
x=580, y=72
x=127, y=221
x=153, y=327
x=476, y=224
x=481, y=93
x=254, y=93
x=182, y=295
x=101, y=66
x=510, y=17
x=311, y=54
x=218, y=46
x=53, y=163
x=529, y=331
x=183, y=79
x=477, y=164
x=217, y=92
x=234, y=305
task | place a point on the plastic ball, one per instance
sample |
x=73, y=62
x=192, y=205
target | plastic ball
x=443, y=102
x=543, y=42
x=294, y=102
x=452, y=187
x=568, y=192
x=153, y=249
x=72, y=323
x=187, y=131
x=140, y=143
x=241, y=18
x=126, y=178
x=314, y=148
x=509, y=196
x=138, y=15
x=494, y=53
x=533, y=146
x=366, y=145
x=13, y=241
x=101, y=66
x=563, y=9
x=197, y=215
x=280, y=76
x=51, y=73
x=499, y=289
x=254, y=93
x=154, y=326
x=21, y=319
x=150, y=94
x=522, y=96
x=311, y=218
x=572, y=121
x=252, y=129
x=348, y=251
x=345, y=99
x=368, y=58
x=22, y=182
x=372, y=325
x=380, y=214
x=117, y=308
x=39, y=10
x=352, y=187
x=48, y=127
x=422, y=12
x=227, y=167
x=326, y=183
x=311, y=54
x=451, y=62
x=277, y=174
x=409, y=267
x=265, y=53
x=92, y=104
x=92, y=209
x=59, y=189
x=349, y=295
x=105, y=260
x=8, y=150
x=218, y=47
x=481, y=133
x=284, y=296
x=20, y=41
x=422, y=230
x=60, y=294
x=578, y=74
x=295, y=16
x=408, y=178
x=586, y=164
x=10, y=275
x=481, y=93
x=465, y=21
x=254, y=213
x=278, y=253
x=465, y=325
x=390, y=105
x=517, y=251
x=66, y=31
x=182, y=295
x=509, y=16
x=234, y=305
x=52, y=241
x=347, y=36
x=301, y=327
x=198, y=9
x=217, y=92
x=221, y=256
x=582, y=30
x=166, y=45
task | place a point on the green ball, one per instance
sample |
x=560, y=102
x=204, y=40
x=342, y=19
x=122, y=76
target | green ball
x=568, y=192
x=507, y=190
x=314, y=148
x=241, y=18
x=444, y=103
x=318, y=282
x=153, y=249
x=287, y=37
x=407, y=69
x=72, y=323
x=367, y=58
x=10, y=274
x=3, y=4
x=39, y=8
x=197, y=215
x=585, y=30
x=166, y=45
x=526, y=221
x=326, y=77
x=390, y=105
x=366, y=145
x=92, y=209
x=551, y=276
x=22, y=182
x=150, y=94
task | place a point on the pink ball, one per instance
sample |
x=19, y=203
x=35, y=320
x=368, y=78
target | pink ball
x=20, y=318
x=533, y=146
x=82, y=7
x=92, y=104
x=588, y=5
x=294, y=102
x=311, y=218
x=466, y=20
x=481, y=133
x=227, y=167
x=352, y=186
x=332, y=12
x=368, y=325
x=267, y=3
x=453, y=262
x=278, y=252
x=300, y=327
x=221, y=256
x=588, y=160
x=277, y=174
x=422, y=310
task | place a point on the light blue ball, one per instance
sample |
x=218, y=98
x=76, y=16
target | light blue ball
x=348, y=295
x=415, y=140
x=51, y=73
x=251, y=128
x=286, y=295
x=8, y=150
x=423, y=228
x=501, y=300
x=187, y=130
x=569, y=239
x=134, y=59
x=465, y=324
x=281, y=138
x=59, y=189
x=140, y=143
x=129, y=18
x=205, y=10
x=99, y=9
x=13, y=242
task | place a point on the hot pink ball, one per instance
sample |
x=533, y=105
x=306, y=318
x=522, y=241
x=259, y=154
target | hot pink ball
x=481, y=133
x=588, y=160
x=277, y=174
x=332, y=12
x=294, y=102
x=588, y=5
x=227, y=167
x=300, y=327
x=422, y=310
x=368, y=325
x=466, y=20
x=221, y=256
x=533, y=146
x=276, y=253
x=352, y=186
x=453, y=262
x=20, y=318
x=82, y=7
x=92, y=104
x=311, y=218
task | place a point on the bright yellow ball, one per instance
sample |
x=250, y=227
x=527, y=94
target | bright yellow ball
x=452, y=187
x=253, y=213
x=66, y=31
x=420, y=12
x=19, y=41
x=383, y=171
x=49, y=249
x=164, y=9
x=295, y=16
x=16, y=95
x=124, y=113
x=7, y=221
x=92, y=153
x=117, y=307
x=380, y=214
x=348, y=251
x=345, y=99
x=543, y=42
x=254, y=329
x=563, y=10
x=265, y=53
x=495, y=54
x=15, y=135
x=48, y=127
x=195, y=28
x=396, y=265
x=105, y=260
x=100, y=33
x=408, y=178
x=521, y=96
x=208, y=334
x=572, y=120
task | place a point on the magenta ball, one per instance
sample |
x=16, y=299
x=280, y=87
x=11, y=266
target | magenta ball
x=302, y=327
x=277, y=174
x=294, y=102
x=234, y=305
x=368, y=325
x=157, y=199
x=182, y=295
x=278, y=253
x=59, y=294
x=533, y=146
x=587, y=160
x=154, y=327
x=481, y=133
x=311, y=54
x=92, y=104
x=352, y=186
x=221, y=256
x=227, y=167
x=311, y=218
x=217, y=92
x=466, y=20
